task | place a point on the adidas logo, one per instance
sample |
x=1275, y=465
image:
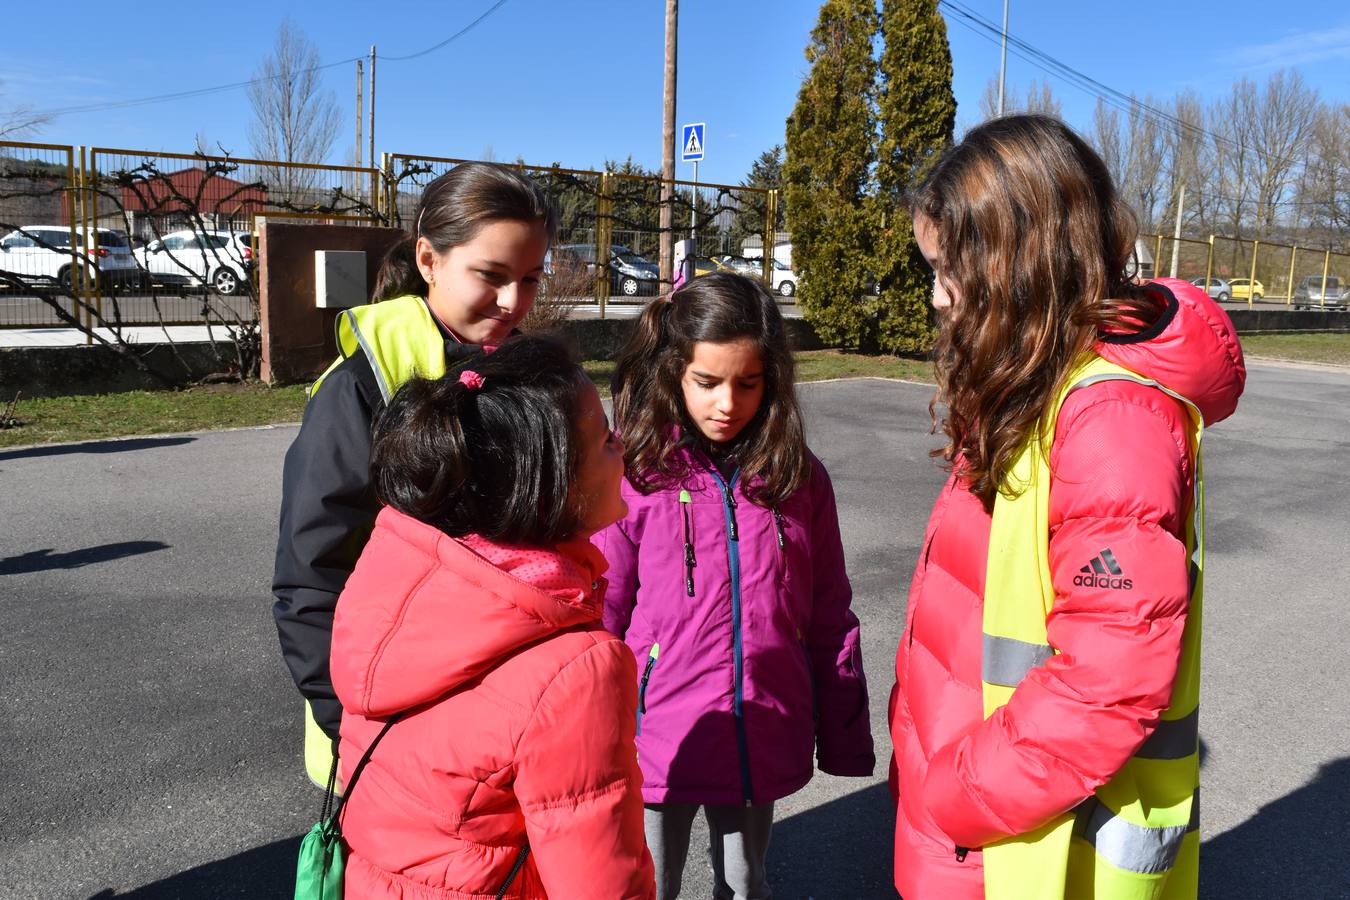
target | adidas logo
x=1104, y=572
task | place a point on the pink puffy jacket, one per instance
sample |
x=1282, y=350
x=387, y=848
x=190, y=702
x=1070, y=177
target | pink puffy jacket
x=1122, y=479
x=517, y=726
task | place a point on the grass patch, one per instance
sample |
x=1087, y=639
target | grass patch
x=1316, y=348
x=49, y=420
x=101, y=416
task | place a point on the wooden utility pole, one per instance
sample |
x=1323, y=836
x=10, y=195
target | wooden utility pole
x=372, y=104
x=360, y=112
x=667, y=258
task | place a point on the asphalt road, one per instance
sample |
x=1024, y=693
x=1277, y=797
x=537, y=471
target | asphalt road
x=151, y=734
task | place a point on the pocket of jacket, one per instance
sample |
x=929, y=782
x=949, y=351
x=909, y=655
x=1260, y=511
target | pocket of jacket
x=642, y=686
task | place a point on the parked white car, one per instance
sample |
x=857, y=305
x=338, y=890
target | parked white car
x=221, y=259
x=784, y=280
x=41, y=254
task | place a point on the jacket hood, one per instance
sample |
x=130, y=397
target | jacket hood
x=422, y=613
x=1193, y=350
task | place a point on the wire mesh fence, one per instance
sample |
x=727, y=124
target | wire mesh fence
x=1257, y=272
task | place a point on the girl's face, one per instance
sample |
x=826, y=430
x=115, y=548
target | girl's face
x=723, y=387
x=482, y=289
x=599, y=467
x=926, y=236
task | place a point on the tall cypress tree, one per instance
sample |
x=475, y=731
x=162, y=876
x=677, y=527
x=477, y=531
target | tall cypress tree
x=917, y=113
x=830, y=154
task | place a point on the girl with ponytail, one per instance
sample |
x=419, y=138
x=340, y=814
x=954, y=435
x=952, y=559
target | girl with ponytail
x=468, y=652
x=727, y=582
x=464, y=277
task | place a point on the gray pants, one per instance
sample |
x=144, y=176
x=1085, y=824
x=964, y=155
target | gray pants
x=738, y=838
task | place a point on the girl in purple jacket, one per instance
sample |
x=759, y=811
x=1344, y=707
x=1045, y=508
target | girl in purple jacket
x=727, y=581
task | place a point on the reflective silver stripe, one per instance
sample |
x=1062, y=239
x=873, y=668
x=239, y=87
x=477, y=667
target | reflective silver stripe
x=1125, y=845
x=1173, y=739
x=1007, y=660
x=370, y=356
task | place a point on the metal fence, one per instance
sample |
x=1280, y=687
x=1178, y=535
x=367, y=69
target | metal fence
x=1252, y=271
x=614, y=218
x=100, y=237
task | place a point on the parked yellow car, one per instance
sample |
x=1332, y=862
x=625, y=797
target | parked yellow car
x=1245, y=288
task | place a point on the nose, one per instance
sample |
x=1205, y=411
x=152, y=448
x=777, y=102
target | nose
x=508, y=297
x=726, y=400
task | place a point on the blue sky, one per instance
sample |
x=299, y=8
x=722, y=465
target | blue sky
x=579, y=81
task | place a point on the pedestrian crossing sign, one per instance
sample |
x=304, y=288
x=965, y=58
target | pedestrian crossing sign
x=691, y=145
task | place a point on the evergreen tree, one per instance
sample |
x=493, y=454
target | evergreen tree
x=830, y=153
x=917, y=113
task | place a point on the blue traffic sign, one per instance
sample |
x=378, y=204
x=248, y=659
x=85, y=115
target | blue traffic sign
x=691, y=144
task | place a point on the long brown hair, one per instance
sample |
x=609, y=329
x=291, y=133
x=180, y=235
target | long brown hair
x=452, y=210
x=1036, y=246
x=649, y=402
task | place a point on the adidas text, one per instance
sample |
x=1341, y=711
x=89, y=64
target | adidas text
x=1103, y=581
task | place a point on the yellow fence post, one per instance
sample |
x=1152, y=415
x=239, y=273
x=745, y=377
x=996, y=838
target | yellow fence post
x=1209, y=263
x=1251, y=281
x=1157, y=255
x=1326, y=267
x=1289, y=288
x=770, y=236
x=390, y=193
x=604, y=227
x=79, y=273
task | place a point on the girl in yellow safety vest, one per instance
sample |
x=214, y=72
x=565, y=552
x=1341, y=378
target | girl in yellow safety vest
x=1046, y=702
x=464, y=277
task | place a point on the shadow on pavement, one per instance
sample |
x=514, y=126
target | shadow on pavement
x=265, y=873
x=1294, y=847
x=46, y=560
x=118, y=446
x=843, y=849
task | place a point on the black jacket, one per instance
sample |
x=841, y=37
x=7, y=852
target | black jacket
x=328, y=509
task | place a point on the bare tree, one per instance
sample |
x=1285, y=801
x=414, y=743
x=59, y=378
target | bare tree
x=1283, y=117
x=293, y=119
x=1040, y=99
x=1324, y=189
x=20, y=121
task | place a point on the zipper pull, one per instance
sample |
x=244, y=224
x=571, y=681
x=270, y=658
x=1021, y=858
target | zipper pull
x=778, y=526
x=961, y=853
x=689, y=561
x=646, y=676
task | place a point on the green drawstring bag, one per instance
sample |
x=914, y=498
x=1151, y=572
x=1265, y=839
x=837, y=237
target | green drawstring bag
x=318, y=874
x=323, y=856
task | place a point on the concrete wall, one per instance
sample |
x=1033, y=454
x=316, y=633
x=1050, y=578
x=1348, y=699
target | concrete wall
x=53, y=371
x=60, y=371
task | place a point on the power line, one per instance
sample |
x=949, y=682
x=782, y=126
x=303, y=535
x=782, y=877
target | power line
x=458, y=34
x=232, y=86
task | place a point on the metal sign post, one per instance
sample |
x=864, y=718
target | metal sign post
x=691, y=150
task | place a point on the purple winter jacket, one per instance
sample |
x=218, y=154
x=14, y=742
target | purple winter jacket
x=747, y=650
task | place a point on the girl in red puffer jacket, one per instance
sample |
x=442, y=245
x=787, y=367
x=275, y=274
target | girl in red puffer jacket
x=1046, y=699
x=473, y=618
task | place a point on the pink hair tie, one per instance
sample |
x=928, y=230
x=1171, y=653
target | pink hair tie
x=471, y=379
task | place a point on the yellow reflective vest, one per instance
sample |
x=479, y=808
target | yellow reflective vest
x=1137, y=837
x=401, y=340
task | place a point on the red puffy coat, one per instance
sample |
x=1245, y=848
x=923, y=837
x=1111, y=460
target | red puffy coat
x=518, y=722
x=1121, y=478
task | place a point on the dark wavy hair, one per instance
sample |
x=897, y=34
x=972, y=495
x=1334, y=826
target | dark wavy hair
x=453, y=209
x=1037, y=244
x=498, y=460
x=649, y=402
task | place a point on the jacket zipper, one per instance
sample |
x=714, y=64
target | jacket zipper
x=778, y=527
x=737, y=646
x=689, y=561
x=642, y=688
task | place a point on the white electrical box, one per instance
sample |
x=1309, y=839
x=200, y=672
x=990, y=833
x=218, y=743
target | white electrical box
x=340, y=279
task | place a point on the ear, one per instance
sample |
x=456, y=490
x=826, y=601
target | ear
x=426, y=257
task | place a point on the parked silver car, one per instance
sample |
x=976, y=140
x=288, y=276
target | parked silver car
x=1309, y=293
x=1218, y=288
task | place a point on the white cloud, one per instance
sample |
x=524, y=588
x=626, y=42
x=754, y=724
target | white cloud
x=1297, y=48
